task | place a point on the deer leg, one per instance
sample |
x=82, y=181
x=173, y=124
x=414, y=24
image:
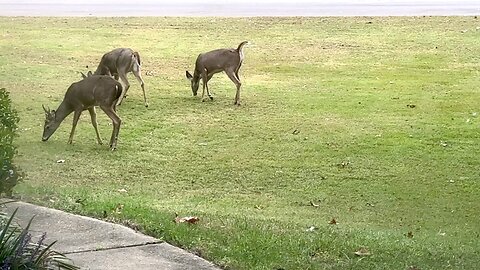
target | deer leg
x=110, y=111
x=237, y=69
x=138, y=75
x=93, y=116
x=231, y=74
x=126, y=85
x=208, y=92
x=76, y=116
x=205, y=85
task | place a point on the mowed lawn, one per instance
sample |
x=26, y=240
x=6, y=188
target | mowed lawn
x=354, y=135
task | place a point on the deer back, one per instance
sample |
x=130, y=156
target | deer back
x=218, y=60
x=118, y=60
x=93, y=90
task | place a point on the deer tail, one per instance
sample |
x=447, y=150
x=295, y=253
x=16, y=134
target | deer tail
x=240, y=47
x=119, y=89
x=137, y=56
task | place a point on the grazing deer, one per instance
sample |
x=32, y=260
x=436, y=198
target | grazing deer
x=102, y=91
x=118, y=63
x=209, y=63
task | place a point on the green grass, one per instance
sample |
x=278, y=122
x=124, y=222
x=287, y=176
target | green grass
x=375, y=120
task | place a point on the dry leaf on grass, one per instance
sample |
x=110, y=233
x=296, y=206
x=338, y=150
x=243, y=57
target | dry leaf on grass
x=311, y=229
x=362, y=252
x=409, y=234
x=333, y=222
x=191, y=219
x=313, y=204
x=119, y=208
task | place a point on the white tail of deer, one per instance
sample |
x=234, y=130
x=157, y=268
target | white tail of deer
x=209, y=63
x=102, y=91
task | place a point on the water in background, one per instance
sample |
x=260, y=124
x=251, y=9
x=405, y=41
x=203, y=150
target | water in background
x=246, y=8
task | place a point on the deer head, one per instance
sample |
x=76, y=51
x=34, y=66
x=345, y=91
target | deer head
x=195, y=81
x=50, y=123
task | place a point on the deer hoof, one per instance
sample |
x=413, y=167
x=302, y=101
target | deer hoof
x=211, y=98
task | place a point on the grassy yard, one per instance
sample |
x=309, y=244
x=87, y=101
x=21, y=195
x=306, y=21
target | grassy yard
x=371, y=122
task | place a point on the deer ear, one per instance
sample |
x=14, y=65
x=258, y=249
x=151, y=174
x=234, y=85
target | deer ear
x=189, y=76
x=89, y=73
x=45, y=109
x=83, y=75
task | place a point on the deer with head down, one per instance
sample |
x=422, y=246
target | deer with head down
x=209, y=63
x=102, y=91
x=118, y=63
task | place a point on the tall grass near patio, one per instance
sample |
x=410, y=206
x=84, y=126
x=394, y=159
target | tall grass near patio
x=370, y=122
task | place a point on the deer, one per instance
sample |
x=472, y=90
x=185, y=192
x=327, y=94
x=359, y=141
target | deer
x=212, y=62
x=97, y=90
x=118, y=63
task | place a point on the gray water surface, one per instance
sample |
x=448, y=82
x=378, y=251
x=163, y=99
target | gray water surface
x=237, y=9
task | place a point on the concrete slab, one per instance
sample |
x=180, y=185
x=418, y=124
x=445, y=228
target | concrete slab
x=155, y=256
x=75, y=233
x=96, y=244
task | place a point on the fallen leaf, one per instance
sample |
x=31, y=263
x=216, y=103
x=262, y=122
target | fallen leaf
x=190, y=220
x=61, y=161
x=333, y=222
x=149, y=73
x=295, y=132
x=362, y=252
x=409, y=234
x=313, y=204
x=311, y=229
x=444, y=144
x=258, y=207
x=413, y=267
x=411, y=106
x=80, y=201
x=344, y=164
x=122, y=190
x=119, y=208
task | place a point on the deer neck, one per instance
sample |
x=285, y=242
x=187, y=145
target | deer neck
x=62, y=111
